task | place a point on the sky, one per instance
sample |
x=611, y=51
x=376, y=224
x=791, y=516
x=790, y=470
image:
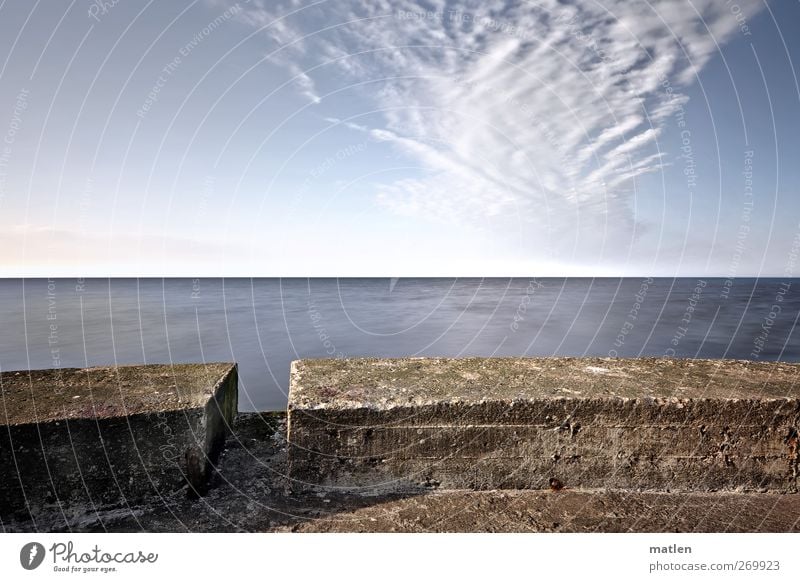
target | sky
x=398, y=139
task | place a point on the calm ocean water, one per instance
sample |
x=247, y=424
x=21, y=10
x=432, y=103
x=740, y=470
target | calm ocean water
x=263, y=324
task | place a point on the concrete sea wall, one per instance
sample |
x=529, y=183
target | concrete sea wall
x=411, y=444
x=533, y=423
x=116, y=435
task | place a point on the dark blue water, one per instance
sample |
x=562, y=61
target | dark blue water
x=263, y=324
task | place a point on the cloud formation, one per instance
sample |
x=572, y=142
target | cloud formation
x=542, y=111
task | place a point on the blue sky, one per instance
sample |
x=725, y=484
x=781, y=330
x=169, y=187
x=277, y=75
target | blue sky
x=399, y=138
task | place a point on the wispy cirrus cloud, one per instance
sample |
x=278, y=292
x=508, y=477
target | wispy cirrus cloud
x=544, y=111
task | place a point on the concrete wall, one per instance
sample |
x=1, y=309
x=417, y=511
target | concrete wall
x=151, y=438
x=649, y=424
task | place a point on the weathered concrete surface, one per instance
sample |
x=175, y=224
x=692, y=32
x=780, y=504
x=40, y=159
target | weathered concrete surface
x=76, y=438
x=518, y=423
x=249, y=492
x=569, y=511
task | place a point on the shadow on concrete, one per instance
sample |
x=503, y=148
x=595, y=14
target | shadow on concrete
x=248, y=492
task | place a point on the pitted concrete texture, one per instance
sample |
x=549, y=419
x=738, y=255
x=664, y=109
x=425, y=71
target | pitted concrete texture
x=657, y=424
x=84, y=437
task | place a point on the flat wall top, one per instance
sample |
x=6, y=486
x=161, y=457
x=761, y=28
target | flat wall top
x=105, y=392
x=386, y=383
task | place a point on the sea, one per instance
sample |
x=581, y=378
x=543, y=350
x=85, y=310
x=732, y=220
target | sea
x=264, y=324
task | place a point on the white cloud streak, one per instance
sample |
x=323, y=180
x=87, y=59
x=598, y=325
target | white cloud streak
x=513, y=108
